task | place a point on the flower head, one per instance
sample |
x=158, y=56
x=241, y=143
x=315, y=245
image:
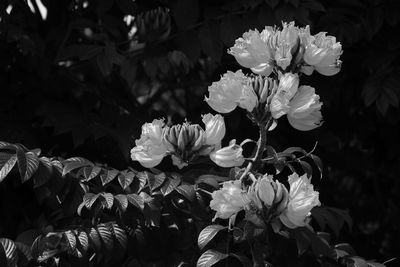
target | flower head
x=323, y=52
x=224, y=95
x=302, y=198
x=229, y=200
x=150, y=149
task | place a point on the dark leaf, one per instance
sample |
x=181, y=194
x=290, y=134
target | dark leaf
x=108, y=176
x=7, y=162
x=125, y=179
x=74, y=163
x=106, y=236
x=186, y=12
x=109, y=200
x=187, y=191
x=156, y=180
x=91, y=172
x=119, y=235
x=170, y=185
x=210, y=257
x=32, y=164
x=43, y=173
x=207, y=234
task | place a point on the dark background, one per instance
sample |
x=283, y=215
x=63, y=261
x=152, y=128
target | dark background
x=75, y=84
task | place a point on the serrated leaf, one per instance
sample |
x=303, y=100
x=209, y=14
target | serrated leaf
x=170, y=185
x=122, y=201
x=9, y=162
x=207, y=234
x=10, y=250
x=187, y=191
x=109, y=200
x=125, y=179
x=108, y=176
x=106, y=236
x=210, y=257
x=136, y=200
x=74, y=163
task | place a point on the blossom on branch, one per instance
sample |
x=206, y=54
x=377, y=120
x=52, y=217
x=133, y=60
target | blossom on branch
x=229, y=156
x=302, y=198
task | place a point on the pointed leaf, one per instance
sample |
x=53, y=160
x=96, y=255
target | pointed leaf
x=106, y=236
x=109, y=199
x=32, y=164
x=10, y=250
x=187, y=191
x=7, y=162
x=83, y=240
x=108, y=176
x=125, y=179
x=119, y=235
x=142, y=176
x=207, y=234
x=71, y=241
x=170, y=185
x=136, y=200
x=122, y=201
x=210, y=257
x=155, y=181
x=44, y=172
x=89, y=199
x=74, y=163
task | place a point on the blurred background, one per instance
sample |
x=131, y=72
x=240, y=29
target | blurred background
x=79, y=77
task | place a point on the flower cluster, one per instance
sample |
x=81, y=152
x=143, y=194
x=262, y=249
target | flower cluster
x=269, y=197
x=185, y=142
x=289, y=48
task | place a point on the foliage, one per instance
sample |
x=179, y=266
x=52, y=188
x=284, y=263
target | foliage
x=76, y=83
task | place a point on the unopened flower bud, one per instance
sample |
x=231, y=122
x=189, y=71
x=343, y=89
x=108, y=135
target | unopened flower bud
x=265, y=190
x=215, y=129
x=229, y=156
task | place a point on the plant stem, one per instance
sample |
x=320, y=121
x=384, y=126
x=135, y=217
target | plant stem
x=261, y=143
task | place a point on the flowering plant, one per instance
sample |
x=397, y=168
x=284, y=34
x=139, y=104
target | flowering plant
x=255, y=202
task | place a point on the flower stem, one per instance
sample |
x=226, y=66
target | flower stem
x=262, y=141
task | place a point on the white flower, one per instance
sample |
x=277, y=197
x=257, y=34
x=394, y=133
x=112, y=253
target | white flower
x=323, y=52
x=304, y=113
x=252, y=51
x=229, y=200
x=288, y=85
x=248, y=100
x=224, y=95
x=287, y=41
x=215, y=129
x=229, y=156
x=302, y=198
x=150, y=149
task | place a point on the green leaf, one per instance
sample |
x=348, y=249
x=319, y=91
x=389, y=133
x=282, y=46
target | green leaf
x=7, y=162
x=89, y=199
x=142, y=176
x=125, y=178
x=83, y=239
x=122, y=201
x=119, y=235
x=187, y=191
x=108, y=176
x=32, y=164
x=170, y=185
x=95, y=240
x=210, y=257
x=346, y=247
x=207, y=234
x=74, y=163
x=71, y=241
x=136, y=200
x=10, y=250
x=91, y=172
x=106, y=236
x=155, y=181
x=109, y=200
x=44, y=172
